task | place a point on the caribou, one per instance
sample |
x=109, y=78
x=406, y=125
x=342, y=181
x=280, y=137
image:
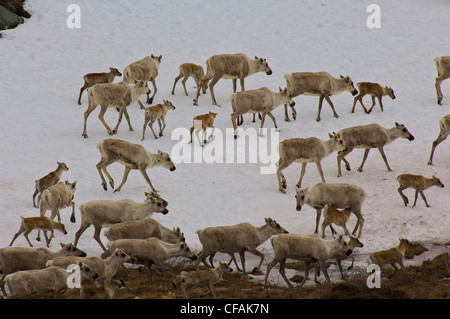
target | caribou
x=443, y=70
x=262, y=100
x=230, y=66
x=320, y=84
x=375, y=91
x=367, y=137
x=305, y=150
x=337, y=195
x=145, y=70
x=133, y=157
x=444, y=131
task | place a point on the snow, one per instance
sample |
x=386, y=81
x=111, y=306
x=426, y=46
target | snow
x=43, y=62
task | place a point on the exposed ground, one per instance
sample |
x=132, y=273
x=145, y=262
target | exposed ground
x=431, y=280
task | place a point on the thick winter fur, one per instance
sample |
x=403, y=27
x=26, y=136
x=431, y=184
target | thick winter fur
x=307, y=248
x=105, y=268
x=143, y=229
x=236, y=239
x=145, y=70
x=133, y=157
x=305, y=150
x=443, y=70
x=94, y=78
x=57, y=197
x=118, y=95
x=261, y=100
x=338, y=195
x=230, y=66
x=102, y=213
x=320, y=84
x=367, y=137
x=48, y=180
x=47, y=282
x=14, y=259
x=151, y=251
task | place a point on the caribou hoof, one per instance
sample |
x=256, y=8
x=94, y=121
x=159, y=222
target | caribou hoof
x=255, y=270
x=104, y=186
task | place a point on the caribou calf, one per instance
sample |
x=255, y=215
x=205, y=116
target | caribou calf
x=207, y=277
x=375, y=91
x=367, y=137
x=391, y=256
x=305, y=150
x=132, y=156
x=191, y=70
x=206, y=120
x=42, y=223
x=338, y=195
x=48, y=180
x=156, y=112
x=335, y=216
x=419, y=183
x=57, y=197
x=94, y=78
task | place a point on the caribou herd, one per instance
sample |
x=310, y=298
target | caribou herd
x=134, y=237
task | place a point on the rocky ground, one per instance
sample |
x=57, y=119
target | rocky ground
x=12, y=14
